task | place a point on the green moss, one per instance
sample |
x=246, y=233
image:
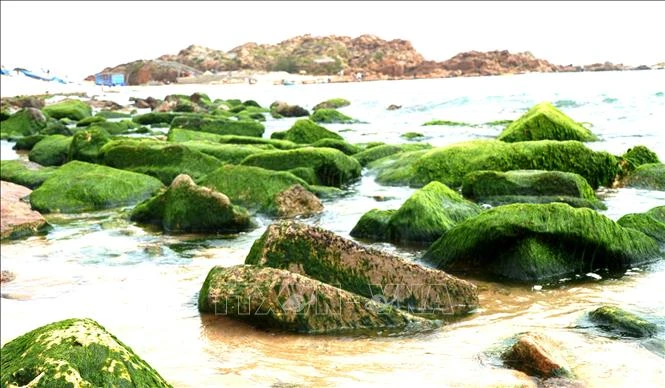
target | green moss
x=500, y=200
x=647, y=176
x=617, y=320
x=51, y=150
x=219, y=126
x=278, y=144
x=637, y=156
x=381, y=151
x=155, y=118
x=373, y=225
x=162, y=160
x=24, y=173
x=179, y=135
x=26, y=143
x=305, y=173
x=545, y=122
x=651, y=223
x=526, y=242
x=227, y=153
x=347, y=148
x=333, y=103
x=397, y=169
x=251, y=187
x=113, y=114
x=57, y=127
x=80, y=186
x=185, y=207
x=448, y=123
x=90, y=120
x=332, y=167
x=306, y=131
x=412, y=136
x=115, y=127
x=74, y=353
x=330, y=116
x=451, y=163
x=499, y=122
x=71, y=109
x=86, y=145
x=26, y=122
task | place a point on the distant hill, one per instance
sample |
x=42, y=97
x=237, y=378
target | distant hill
x=332, y=55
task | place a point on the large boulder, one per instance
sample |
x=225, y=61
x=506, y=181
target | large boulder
x=545, y=122
x=651, y=223
x=80, y=186
x=616, y=320
x=186, y=207
x=278, y=299
x=219, y=126
x=74, y=353
x=537, y=355
x=16, y=218
x=424, y=217
x=26, y=122
x=322, y=255
x=331, y=167
x=24, y=173
x=162, y=160
x=51, y=150
x=535, y=242
x=530, y=186
x=252, y=187
x=648, y=177
x=283, y=109
x=451, y=163
x=331, y=116
x=305, y=131
x=72, y=109
x=297, y=201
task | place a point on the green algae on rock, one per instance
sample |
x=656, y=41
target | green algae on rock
x=651, y=223
x=647, y=176
x=272, y=298
x=397, y=169
x=71, y=109
x=331, y=116
x=186, y=207
x=371, y=154
x=26, y=122
x=636, y=156
x=530, y=186
x=80, y=186
x=534, y=242
x=51, y=150
x=333, y=103
x=412, y=136
x=347, y=148
x=424, y=217
x=86, y=145
x=76, y=353
x=451, y=163
x=447, y=123
x=536, y=355
x=219, y=126
x=545, y=122
x=332, y=167
x=305, y=131
x=617, y=320
x=24, y=173
x=322, y=255
x=374, y=225
x=227, y=153
x=155, y=118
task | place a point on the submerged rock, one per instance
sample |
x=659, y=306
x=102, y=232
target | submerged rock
x=186, y=207
x=330, y=116
x=614, y=319
x=534, y=242
x=80, y=186
x=530, y=186
x=278, y=299
x=648, y=177
x=305, y=131
x=51, y=150
x=297, y=201
x=24, y=173
x=26, y=122
x=16, y=218
x=537, y=355
x=333, y=103
x=545, y=122
x=72, y=109
x=329, y=258
x=74, y=352
x=424, y=217
x=651, y=223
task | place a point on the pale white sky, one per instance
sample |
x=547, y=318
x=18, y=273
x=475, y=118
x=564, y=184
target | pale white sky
x=76, y=39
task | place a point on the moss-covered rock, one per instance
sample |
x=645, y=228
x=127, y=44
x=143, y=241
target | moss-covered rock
x=186, y=207
x=374, y=225
x=330, y=116
x=86, y=145
x=278, y=144
x=251, y=187
x=24, y=173
x=347, y=148
x=397, y=169
x=80, y=186
x=109, y=114
x=51, y=150
x=305, y=131
x=90, y=120
x=282, y=109
x=16, y=218
x=636, y=156
x=179, y=135
x=614, y=319
x=227, y=153
x=322, y=255
x=278, y=299
x=536, y=355
x=375, y=153
x=450, y=164
x=447, y=123
x=26, y=143
x=332, y=167
x=219, y=126
x=651, y=223
x=647, y=176
x=72, y=109
x=527, y=242
x=116, y=127
x=333, y=103
x=162, y=160
x=496, y=187
x=155, y=118
x=74, y=353
x=26, y=122
x=415, y=136
x=545, y=122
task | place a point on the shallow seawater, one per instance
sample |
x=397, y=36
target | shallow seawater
x=142, y=284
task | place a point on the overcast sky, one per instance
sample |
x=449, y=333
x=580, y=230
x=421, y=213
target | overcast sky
x=76, y=39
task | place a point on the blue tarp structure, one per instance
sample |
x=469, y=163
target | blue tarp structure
x=4, y=72
x=107, y=79
x=42, y=77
